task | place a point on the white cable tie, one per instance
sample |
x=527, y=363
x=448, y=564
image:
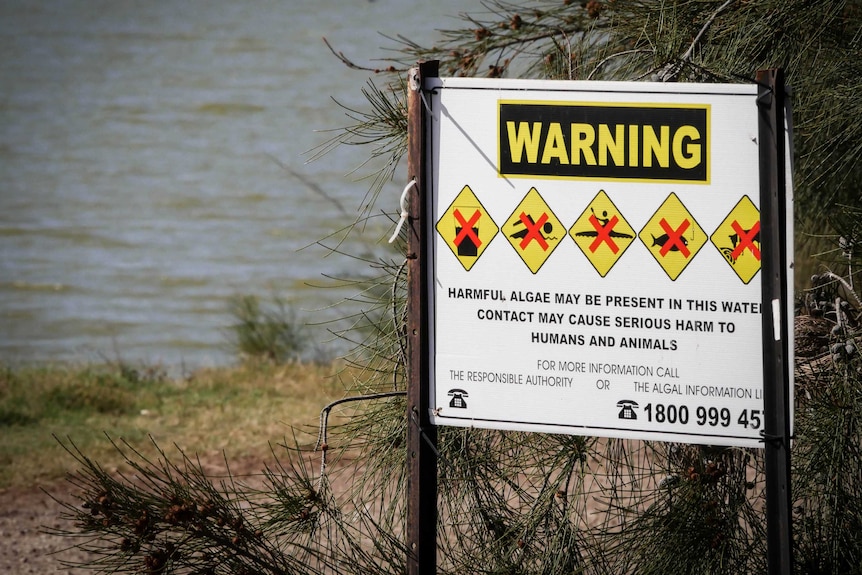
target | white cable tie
x=776, y=319
x=404, y=212
x=427, y=106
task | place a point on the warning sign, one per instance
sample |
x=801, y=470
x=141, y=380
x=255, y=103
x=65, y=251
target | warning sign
x=602, y=233
x=738, y=239
x=596, y=339
x=533, y=230
x=673, y=236
x=467, y=228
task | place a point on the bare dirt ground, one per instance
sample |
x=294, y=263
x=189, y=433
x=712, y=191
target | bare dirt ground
x=25, y=548
x=27, y=515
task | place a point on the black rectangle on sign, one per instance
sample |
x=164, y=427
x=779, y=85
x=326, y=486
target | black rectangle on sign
x=622, y=141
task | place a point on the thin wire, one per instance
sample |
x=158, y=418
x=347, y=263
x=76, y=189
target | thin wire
x=324, y=423
x=429, y=442
x=396, y=326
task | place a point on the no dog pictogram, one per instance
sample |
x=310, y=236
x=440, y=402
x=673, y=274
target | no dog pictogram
x=746, y=240
x=737, y=238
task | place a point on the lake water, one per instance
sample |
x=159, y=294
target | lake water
x=143, y=148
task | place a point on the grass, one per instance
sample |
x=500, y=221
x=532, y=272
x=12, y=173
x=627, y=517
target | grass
x=238, y=411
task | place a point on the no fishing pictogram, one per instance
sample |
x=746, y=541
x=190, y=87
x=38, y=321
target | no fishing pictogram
x=673, y=236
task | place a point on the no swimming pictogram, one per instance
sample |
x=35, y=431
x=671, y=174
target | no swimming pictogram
x=533, y=230
x=466, y=228
x=602, y=234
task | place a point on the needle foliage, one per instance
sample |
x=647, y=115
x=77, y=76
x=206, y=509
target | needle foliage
x=516, y=503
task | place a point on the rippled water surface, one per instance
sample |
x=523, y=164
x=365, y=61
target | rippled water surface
x=143, y=148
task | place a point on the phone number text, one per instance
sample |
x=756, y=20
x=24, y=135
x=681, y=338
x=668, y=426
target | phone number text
x=703, y=416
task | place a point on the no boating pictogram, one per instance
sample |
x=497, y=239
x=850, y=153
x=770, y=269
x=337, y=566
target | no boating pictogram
x=737, y=238
x=601, y=233
x=673, y=236
x=533, y=230
x=466, y=228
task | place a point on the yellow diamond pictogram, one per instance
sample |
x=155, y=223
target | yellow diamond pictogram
x=738, y=239
x=602, y=233
x=533, y=230
x=467, y=228
x=672, y=236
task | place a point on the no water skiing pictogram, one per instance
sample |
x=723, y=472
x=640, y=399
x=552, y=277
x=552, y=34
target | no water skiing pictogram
x=673, y=236
x=467, y=228
x=602, y=234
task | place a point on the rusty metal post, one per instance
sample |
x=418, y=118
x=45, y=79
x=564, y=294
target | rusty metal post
x=776, y=333
x=421, y=435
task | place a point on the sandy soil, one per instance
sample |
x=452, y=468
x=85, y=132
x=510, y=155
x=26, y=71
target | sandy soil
x=28, y=514
x=24, y=546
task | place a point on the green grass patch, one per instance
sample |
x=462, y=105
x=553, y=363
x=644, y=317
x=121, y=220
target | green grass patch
x=236, y=410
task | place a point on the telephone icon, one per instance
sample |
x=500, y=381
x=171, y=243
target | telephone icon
x=457, y=400
x=627, y=409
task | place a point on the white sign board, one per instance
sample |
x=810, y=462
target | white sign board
x=596, y=258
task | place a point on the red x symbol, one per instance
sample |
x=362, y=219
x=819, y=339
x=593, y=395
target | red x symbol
x=746, y=240
x=603, y=233
x=467, y=228
x=674, y=238
x=533, y=231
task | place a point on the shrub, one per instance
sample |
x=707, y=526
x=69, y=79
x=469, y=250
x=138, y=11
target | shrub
x=270, y=332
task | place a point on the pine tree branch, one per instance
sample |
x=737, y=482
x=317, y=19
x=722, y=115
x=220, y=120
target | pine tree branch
x=671, y=70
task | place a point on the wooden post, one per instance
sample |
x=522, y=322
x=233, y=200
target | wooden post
x=421, y=435
x=776, y=333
